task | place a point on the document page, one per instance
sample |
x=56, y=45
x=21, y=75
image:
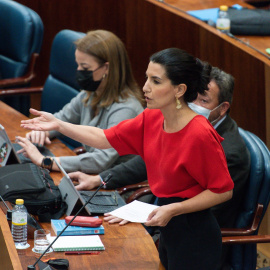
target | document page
x=135, y=211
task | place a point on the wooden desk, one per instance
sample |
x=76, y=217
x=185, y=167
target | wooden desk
x=127, y=247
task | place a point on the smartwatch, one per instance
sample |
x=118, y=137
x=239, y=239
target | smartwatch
x=47, y=163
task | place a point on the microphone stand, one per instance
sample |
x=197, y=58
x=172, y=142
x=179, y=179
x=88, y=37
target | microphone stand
x=106, y=180
x=9, y=211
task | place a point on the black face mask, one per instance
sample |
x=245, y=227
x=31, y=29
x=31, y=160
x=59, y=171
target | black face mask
x=86, y=81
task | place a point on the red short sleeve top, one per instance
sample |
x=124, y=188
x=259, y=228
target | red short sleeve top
x=180, y=164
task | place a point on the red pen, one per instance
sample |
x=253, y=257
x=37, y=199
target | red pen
x=82, y=252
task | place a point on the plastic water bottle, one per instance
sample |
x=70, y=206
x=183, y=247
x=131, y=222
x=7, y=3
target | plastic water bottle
x=223, y=21
x=19, y=225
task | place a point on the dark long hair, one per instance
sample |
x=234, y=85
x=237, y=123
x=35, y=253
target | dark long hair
x=182, y=67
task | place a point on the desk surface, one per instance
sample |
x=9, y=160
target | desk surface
x=127, y=247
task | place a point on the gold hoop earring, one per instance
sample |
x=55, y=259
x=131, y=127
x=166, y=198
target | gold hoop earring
x=178, y=104
x=104, y=76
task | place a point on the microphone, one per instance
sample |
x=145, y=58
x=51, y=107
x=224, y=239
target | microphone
x=103, y=183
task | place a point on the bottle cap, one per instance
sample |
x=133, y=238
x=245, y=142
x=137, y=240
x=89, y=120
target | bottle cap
x=19, y=201
x=223, y=8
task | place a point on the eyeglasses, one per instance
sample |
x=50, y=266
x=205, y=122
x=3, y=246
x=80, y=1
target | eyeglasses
x=103, y=199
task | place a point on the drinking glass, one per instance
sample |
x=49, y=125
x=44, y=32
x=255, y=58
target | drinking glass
x=42, y=241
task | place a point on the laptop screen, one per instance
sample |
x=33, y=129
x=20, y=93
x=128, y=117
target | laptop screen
x=8, y=154
x=102, y=202
x=69, y=193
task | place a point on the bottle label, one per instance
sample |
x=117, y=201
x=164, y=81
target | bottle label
x=20, y=218
x=223, y=24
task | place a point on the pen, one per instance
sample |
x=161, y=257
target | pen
x=82, y=252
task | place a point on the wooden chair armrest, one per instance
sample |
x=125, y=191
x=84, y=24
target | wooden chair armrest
x=245, y=231
x=23, y=80
x=249, y=239
x=138, y=194
x=127, y=188
x=20, y=91
x=79, y=150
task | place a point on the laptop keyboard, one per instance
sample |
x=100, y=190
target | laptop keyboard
x=42, y=149
x=103, y=202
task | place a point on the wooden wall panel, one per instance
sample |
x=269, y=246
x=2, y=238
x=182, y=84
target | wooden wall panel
x=147, y=26
x=149, y=29
x=78, y=15
x=8, y=256
x=248, y=107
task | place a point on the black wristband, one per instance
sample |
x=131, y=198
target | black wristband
x=47, y=163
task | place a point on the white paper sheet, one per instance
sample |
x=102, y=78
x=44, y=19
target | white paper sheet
x=135, y=211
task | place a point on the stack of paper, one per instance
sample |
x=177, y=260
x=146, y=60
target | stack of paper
x=135, y=211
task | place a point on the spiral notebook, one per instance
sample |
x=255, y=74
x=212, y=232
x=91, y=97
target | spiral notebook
x=76, y=243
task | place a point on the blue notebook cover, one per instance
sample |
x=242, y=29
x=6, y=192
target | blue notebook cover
x=205, y=14
x=59, y=224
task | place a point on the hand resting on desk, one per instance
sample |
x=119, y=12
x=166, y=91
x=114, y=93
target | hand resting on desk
x=38, y=137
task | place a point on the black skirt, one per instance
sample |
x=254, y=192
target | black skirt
x=190, y=241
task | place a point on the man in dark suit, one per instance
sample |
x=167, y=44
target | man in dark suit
x=215, y=105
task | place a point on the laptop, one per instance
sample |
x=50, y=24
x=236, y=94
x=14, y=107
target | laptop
x=102, y=202
x=8, y=151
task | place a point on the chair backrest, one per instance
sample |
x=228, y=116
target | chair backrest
x=254, y=183
x=258, y=192
x=264, y=195
x=61, y=85
x=21, y=32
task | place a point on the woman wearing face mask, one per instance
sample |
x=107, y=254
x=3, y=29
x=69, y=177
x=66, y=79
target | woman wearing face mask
x=110, y=95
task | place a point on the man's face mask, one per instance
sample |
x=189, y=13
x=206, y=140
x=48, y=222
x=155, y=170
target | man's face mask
x=201, y=110
x=86, y=81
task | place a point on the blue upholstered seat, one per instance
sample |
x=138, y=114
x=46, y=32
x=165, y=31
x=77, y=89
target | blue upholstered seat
x=244, y=256
x=21, y=33
x=61, y=85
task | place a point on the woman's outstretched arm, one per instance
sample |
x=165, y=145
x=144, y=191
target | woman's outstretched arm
x=91, y=136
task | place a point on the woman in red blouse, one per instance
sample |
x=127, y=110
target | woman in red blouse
x=186, y=165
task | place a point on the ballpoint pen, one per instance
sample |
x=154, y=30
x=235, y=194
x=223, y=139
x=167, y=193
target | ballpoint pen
x=85, y=252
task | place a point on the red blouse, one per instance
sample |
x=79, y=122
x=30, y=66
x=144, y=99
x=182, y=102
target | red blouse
x=180, y=164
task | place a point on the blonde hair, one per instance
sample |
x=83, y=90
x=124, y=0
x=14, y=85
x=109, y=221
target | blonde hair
x=107, y=47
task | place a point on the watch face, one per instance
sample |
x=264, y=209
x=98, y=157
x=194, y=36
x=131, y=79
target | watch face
x=47, y=161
